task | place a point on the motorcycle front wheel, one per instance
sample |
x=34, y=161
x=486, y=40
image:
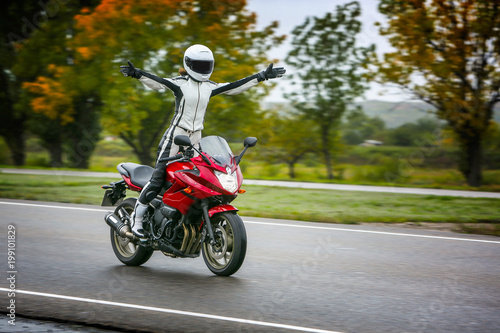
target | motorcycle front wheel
x=126, y=251
x=226, y=256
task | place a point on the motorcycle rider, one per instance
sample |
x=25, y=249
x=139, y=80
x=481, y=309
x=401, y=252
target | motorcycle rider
x=192, y=93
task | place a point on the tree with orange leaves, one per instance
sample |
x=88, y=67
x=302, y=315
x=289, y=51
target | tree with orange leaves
x=448, y=55
x=52, y=98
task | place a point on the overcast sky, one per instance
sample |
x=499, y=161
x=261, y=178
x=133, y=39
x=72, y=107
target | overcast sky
x=291, y=13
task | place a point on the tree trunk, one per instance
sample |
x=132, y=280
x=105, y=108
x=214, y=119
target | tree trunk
x=12, y=123
x=51, y=138
x=145, y=157
x=55, y=152
x=81, y=146
x=328, y=162
x=291, y=169
x=471, y=157
x=16, y=145
x=12, y=129
x=325, y=142
x=84, y=132
x=143, y=153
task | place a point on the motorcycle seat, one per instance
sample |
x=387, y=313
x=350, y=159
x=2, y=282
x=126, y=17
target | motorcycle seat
x=139, y=174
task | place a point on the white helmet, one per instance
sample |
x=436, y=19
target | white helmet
x=199, y=62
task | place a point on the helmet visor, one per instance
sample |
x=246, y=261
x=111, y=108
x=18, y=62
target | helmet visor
x=200, y=66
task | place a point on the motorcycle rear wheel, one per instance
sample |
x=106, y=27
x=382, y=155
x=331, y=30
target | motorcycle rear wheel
x=126, y=251
x=226, y=256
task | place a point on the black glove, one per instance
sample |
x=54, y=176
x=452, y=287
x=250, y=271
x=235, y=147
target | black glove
x=131, y=71
x=271, y=73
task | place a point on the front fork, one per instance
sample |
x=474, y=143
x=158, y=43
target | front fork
x=204, y=207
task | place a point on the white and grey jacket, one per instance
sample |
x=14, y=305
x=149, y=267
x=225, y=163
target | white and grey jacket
x=192, y=97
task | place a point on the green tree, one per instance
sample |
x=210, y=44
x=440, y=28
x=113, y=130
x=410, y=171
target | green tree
x=448, y=55
x=358, y=127
x=413, y=134
x=327, y=61
x=154, y=35
x=142, y=118
x=289, y=138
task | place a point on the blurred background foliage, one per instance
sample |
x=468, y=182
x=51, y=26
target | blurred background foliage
x=64, y=103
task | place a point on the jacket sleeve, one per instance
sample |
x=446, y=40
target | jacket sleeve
x=157, y=83
x=236, y=87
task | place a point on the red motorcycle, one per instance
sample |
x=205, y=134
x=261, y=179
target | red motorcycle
x=192, y=215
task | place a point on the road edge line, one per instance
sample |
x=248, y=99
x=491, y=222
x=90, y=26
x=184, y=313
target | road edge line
x=171, y=311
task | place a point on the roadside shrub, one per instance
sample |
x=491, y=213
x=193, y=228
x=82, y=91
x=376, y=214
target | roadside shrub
x=386, y=170
x=272, y=170
x=38, y=160
x=491, y=177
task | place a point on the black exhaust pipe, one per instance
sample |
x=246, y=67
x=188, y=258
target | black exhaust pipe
x=116, y=223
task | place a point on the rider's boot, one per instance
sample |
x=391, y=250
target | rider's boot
x=137, y=217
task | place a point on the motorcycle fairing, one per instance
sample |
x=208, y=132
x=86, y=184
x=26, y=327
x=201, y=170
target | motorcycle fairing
x=199, y=177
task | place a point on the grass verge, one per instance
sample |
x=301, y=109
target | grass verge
x=475, y=215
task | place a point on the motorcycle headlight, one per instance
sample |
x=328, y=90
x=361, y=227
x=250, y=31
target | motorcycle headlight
x=228, y=181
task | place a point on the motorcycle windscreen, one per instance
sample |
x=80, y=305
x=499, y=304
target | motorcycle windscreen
x=218, y=149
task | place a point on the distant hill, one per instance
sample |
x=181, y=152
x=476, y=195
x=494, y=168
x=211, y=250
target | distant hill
x=394, y=114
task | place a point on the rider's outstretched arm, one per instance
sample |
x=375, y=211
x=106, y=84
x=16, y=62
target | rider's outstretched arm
x=242, y=85
x=150, y=80
x=236, y=87
x=157, y=83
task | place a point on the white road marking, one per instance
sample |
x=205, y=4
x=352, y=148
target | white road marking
x=373, y=232
x=171, y=311
x=53, y=206
x=247, y=220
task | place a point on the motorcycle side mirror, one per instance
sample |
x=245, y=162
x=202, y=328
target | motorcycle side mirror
x=182, y=140
x=250, y=142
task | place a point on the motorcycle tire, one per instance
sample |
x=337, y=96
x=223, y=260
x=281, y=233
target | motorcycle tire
x=226, y=256
x=126, y=251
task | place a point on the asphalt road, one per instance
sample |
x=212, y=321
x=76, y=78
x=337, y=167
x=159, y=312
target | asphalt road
x=297, y=276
